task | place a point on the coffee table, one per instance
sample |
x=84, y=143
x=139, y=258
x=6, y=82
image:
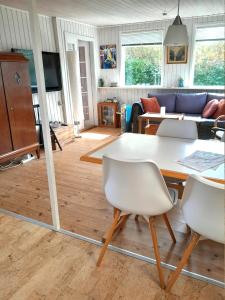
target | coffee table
x=157, y=118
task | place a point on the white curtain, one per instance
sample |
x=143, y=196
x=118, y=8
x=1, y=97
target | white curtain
x=75, y=86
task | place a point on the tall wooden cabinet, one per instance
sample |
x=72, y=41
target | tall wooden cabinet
x=17, y=123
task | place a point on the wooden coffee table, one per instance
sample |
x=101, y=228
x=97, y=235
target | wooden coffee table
x=156, y=118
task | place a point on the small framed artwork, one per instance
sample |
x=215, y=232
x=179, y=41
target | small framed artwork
x=177, y=54
x=108, y=56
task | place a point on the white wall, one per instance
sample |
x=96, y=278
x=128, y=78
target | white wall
x=15, y=33
x=171, y=72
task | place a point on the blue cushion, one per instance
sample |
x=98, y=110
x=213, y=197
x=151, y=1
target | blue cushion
x=167, y=100
x=191, y=103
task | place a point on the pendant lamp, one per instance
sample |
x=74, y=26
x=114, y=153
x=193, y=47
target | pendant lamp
x=177, y=32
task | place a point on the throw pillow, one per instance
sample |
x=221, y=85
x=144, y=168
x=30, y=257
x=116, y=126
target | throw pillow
x=220, y=110
x=150, y=105
x=210, y=108
x=167, y=100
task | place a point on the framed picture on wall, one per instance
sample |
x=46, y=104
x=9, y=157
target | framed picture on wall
x=177, y=54
x=108, y=56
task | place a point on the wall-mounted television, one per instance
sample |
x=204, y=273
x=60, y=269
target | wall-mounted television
x=52, y=70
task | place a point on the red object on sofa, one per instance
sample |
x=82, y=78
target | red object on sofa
x=150, y=105
x=210, y=108
x=220, y=110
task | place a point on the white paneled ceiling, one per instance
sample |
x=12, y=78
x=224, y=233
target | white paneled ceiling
x=112, y=12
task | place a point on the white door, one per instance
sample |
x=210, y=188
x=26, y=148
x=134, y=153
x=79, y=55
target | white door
x=86, y=84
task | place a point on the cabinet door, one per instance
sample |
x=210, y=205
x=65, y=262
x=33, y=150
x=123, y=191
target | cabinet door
x=19, y=102
x=5, y=135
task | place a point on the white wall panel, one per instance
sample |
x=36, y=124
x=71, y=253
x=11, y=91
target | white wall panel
x=171, y=72
x=15, y=33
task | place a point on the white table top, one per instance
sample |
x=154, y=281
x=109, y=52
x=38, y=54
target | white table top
x=163, y=150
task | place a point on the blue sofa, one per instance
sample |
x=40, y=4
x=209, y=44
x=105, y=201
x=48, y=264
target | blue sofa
x=191, y=105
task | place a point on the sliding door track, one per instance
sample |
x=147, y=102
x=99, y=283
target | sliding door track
x=114, y=248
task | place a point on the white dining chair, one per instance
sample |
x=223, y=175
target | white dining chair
x=203, y=210
x=136, y=187
x=183, y=129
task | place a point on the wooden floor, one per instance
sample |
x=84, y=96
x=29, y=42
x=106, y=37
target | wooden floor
x=83, y=208
x=38, y=264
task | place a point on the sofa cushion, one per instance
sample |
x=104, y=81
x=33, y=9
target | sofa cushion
x=167, y=100
x=190, y=103
x=210, y=108
x=150, y=105
x=212, y=96
x=220, y=110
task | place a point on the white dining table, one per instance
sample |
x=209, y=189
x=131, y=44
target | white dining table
x=165, y=151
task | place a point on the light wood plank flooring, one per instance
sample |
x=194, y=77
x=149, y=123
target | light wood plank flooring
x=38, y=264
x=83, y=208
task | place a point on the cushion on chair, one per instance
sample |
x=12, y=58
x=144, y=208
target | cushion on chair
x=150, y=105
x=190, y=103
x=210, y=108
x=167, y=100
x=220, y=110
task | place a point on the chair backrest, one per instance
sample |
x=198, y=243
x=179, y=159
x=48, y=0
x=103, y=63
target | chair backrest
x=203, y=207
x=220, y=135
x=135, y=186
x=184, y=129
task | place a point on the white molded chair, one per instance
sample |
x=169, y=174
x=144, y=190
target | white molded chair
x=183, y=129
x=203, y=210
x=136, y=187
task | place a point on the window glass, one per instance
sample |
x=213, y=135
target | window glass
x=142, y=58
x=209, y=57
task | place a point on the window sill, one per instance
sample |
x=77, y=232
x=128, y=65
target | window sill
x=200, y=88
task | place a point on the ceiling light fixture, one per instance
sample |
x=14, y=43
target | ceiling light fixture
x=177, y=32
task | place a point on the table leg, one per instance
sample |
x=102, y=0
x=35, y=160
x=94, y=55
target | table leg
x=139, y=125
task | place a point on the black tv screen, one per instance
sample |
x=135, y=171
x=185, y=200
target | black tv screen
x=52, y=70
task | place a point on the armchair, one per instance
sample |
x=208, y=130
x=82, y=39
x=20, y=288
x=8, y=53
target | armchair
x=219, y=131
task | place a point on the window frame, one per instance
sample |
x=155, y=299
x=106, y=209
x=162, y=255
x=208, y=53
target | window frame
x=193, y=59
x=122, y=59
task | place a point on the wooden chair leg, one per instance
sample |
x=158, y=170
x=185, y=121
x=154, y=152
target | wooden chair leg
x=194, y=240
x=109, y=237
x=188, y=229
x=119, y=226
x=156, y=250
x=123, y=222
x=166, y=220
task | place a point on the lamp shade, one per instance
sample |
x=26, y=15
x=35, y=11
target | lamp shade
x=176, y=35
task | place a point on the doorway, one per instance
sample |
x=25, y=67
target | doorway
x=86, y=83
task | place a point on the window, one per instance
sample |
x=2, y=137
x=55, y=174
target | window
x=142, y=54
x=209, y=57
